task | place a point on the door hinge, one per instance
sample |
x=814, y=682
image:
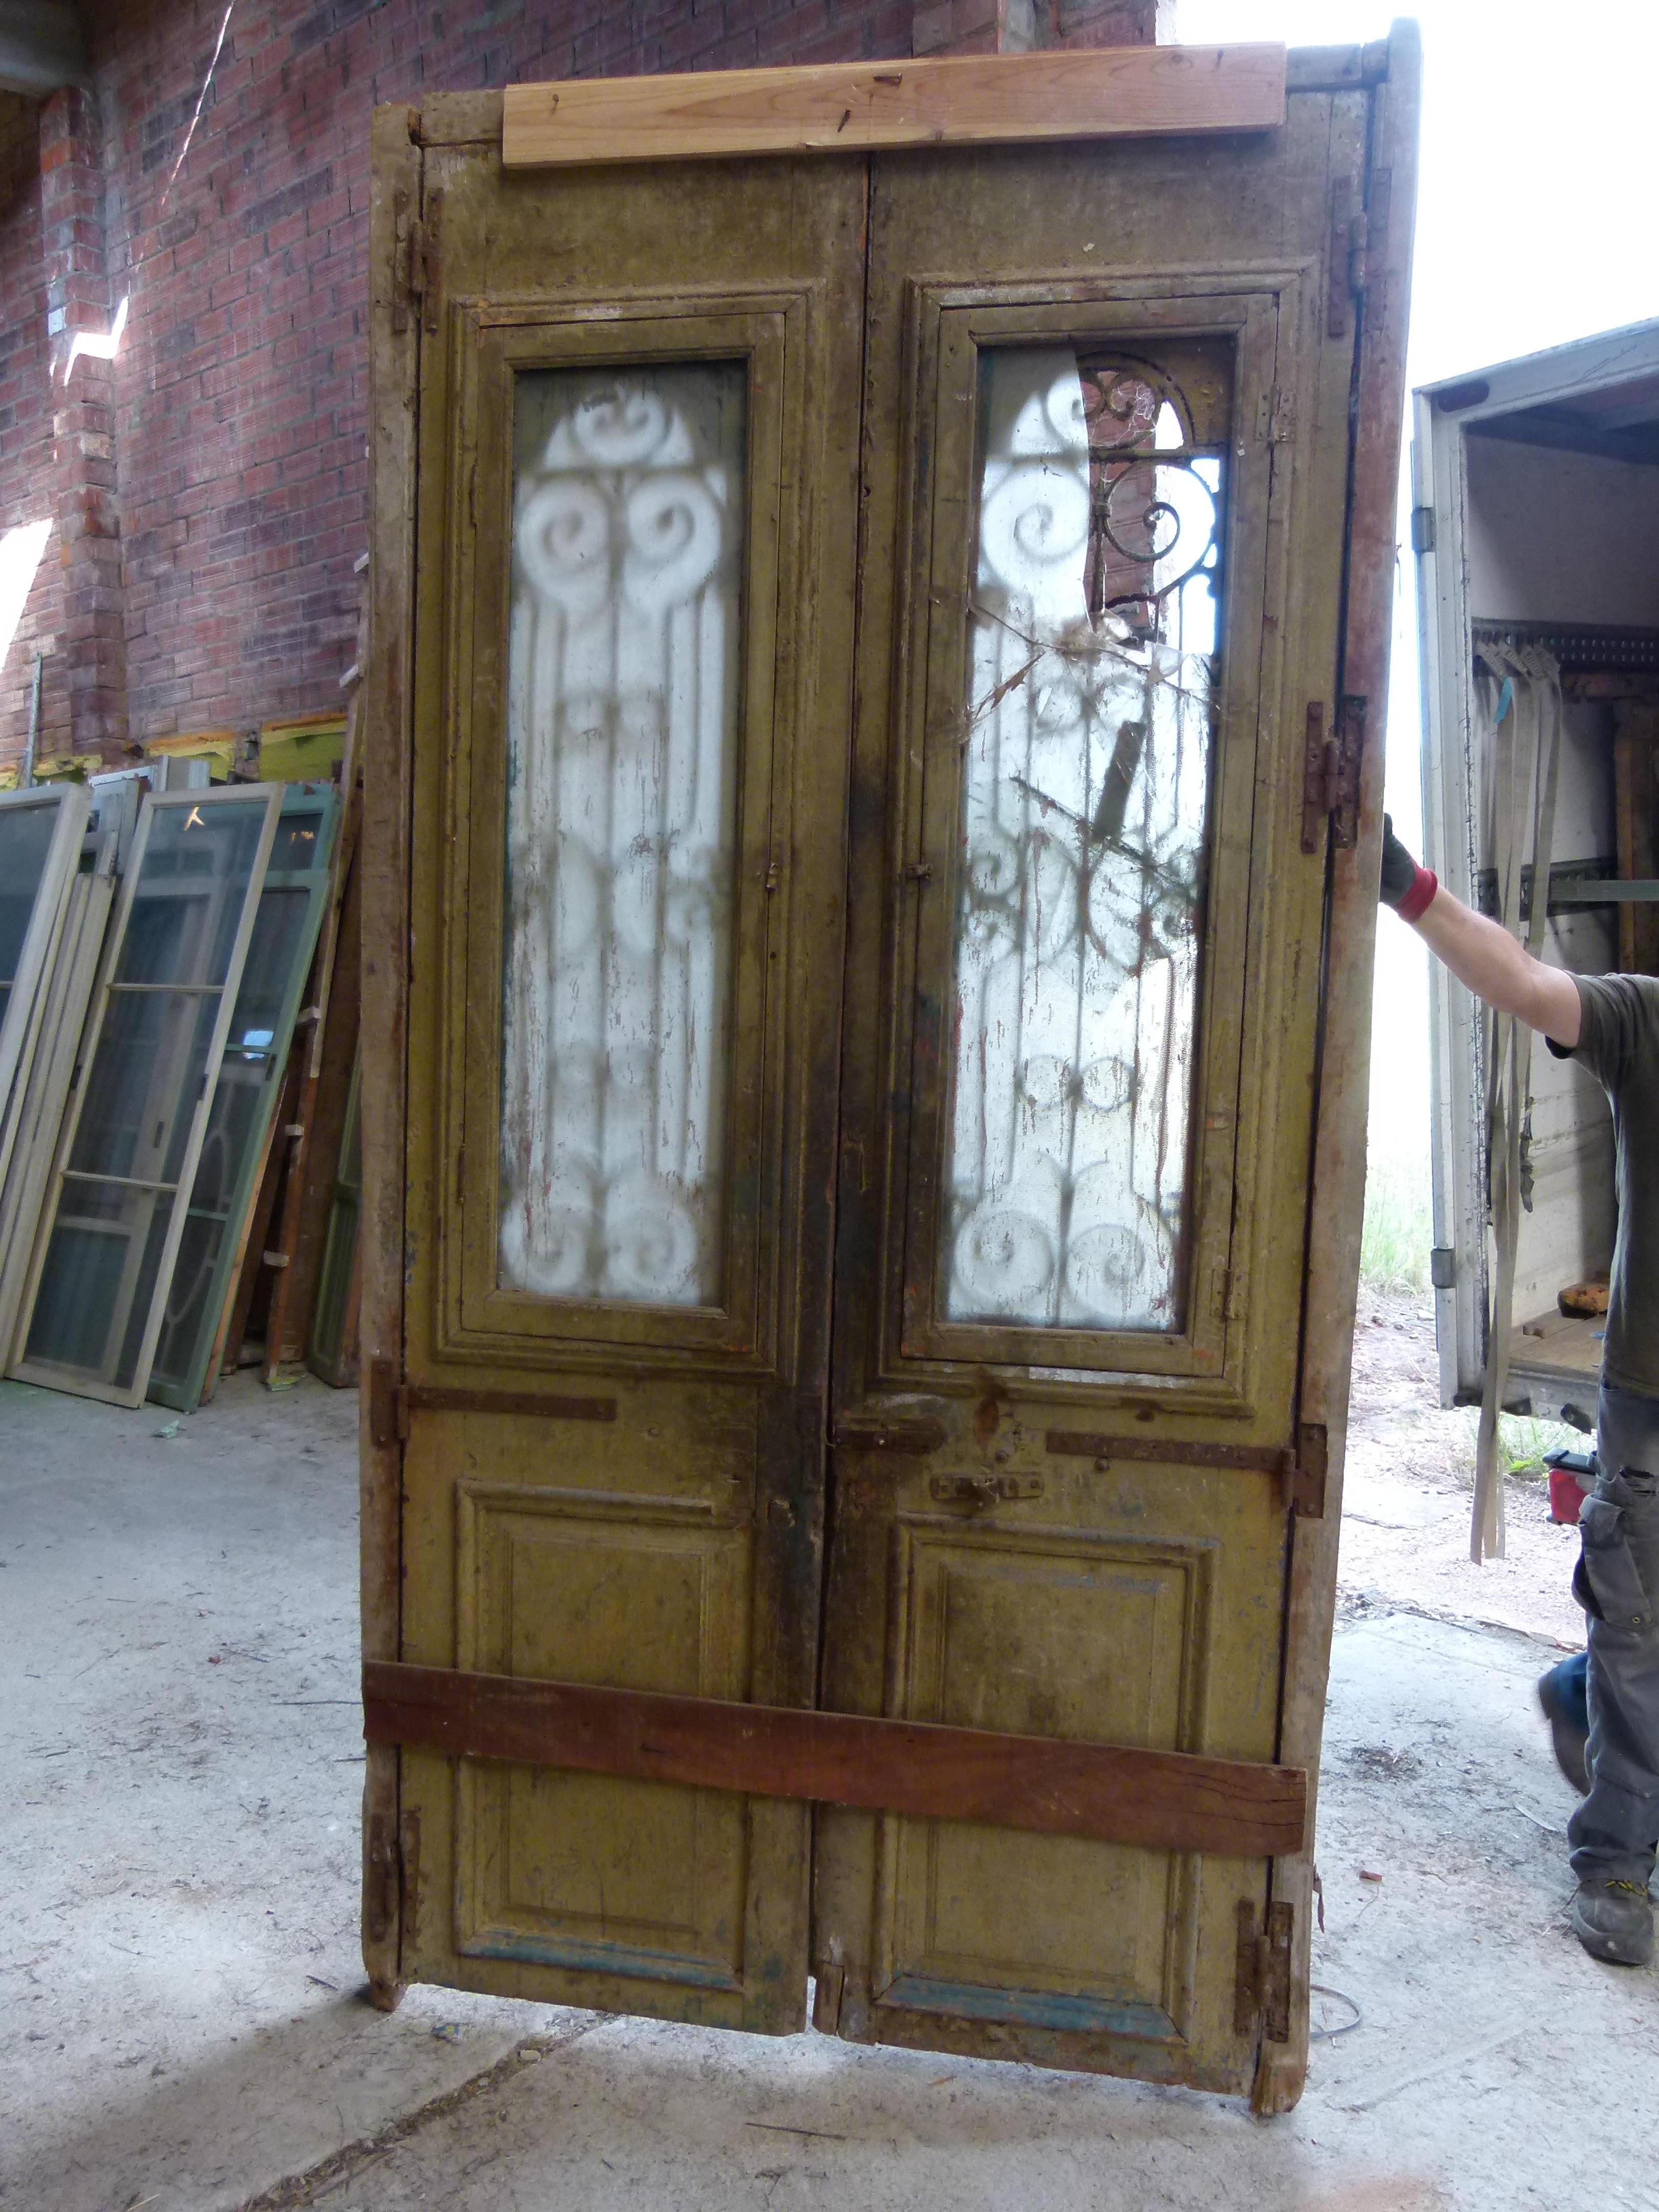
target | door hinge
x=1305, y=1477
x=1422, y=529
x=1442, y=1268
x=1350, y=237
x=415, y=242
x=383, y=1877
x=1330, y=773
x=1261, y=1991
x=388, y=1404
x=391, y=1876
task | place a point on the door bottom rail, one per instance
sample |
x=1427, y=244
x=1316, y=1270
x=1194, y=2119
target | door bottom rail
x=1111, y=1793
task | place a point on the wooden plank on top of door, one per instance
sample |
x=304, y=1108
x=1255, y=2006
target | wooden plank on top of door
x=848, y=108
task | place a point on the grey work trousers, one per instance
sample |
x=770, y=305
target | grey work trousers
x=1614, y=1830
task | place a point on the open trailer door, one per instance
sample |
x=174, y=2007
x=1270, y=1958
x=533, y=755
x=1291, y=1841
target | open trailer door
x=1536, y=527
x=859, y=1295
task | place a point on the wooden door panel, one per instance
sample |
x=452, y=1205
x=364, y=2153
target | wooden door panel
x=1042, y=1632
x=1140, y=1281
x=583, y=1870
x=636, y=511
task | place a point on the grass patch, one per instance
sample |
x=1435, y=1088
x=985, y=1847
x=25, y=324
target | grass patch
x=1394, y=1251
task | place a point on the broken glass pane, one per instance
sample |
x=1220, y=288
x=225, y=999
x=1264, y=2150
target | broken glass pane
x=621, y=825
x=1085, y=799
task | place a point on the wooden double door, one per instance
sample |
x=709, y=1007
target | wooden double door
x=844, y=993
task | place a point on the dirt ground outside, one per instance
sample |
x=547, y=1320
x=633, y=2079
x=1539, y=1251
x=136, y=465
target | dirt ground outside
x=1409, y=1485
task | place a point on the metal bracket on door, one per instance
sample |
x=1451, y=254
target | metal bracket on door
x=877, y=1434
x=978, y=1493
x=1301, y=1470
x=391, y=1403
x=1261, y=1990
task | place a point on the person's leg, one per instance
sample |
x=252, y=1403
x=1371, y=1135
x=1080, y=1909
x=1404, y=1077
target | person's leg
x=1564, y=1696
x=1615, y=1830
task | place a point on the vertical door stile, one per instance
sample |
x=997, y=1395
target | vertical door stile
x=387, y=696
x=1336, y=1202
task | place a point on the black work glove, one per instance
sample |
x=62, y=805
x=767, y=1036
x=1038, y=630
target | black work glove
x=1405, y=886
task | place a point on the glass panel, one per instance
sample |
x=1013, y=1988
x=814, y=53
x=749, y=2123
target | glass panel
x=195, y=876
x=101, y=1266
x=621, y=829
x=1092, y=671
x=26, y=835
x=298, y=841
x=187, y=1315
x=235, y=1122
x=279, y=922
x=146, y=1078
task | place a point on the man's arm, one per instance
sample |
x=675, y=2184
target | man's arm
x=1479, y=952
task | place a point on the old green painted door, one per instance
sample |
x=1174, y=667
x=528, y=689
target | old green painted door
x=1104, y=469
x=862, y=976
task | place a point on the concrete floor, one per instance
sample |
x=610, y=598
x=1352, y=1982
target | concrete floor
x=180, y=2026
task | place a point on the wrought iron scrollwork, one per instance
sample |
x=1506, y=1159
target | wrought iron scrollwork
x=1081, y=875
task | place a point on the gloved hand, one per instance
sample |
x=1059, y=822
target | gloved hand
x=1406, y=885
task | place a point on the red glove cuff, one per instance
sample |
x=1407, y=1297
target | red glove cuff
x=1416, y=901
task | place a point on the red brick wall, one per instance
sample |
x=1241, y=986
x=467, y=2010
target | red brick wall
x=238, y=397
x=241, y=390
x=26, y=409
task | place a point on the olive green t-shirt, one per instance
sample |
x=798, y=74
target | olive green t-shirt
x=1619, y=1042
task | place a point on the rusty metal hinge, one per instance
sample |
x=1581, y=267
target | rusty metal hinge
x=417, y=245
x=1261, y=1990
x=392, y=1877
x=388, y=1404
x=383, y=1877
x=1349, y=239
x=1305, y=1474
x=1331, y=769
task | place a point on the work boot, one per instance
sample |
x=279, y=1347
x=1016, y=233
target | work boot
x=1565, y=1735
x=1613, y=1920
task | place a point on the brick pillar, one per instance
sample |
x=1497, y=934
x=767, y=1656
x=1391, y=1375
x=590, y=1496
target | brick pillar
x=1021, y=27
x=92, y=640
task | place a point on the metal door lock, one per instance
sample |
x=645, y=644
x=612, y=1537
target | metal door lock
x=979, y=1492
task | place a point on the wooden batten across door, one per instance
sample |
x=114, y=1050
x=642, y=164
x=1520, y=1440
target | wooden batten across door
x=843, y=998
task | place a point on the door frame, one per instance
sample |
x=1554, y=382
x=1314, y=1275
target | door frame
x=1442, y=414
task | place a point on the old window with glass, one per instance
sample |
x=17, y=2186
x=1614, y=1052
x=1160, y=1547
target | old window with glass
x=620, y=827
x=1088, y=727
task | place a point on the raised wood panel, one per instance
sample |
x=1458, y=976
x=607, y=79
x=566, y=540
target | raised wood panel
x=588, y=1870
x=1056, y=1635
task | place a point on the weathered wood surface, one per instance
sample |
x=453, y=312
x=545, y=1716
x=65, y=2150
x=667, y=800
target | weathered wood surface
x=848, y=108
x=1160, y=1800
x=1336, y=1215
x=394, y=195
